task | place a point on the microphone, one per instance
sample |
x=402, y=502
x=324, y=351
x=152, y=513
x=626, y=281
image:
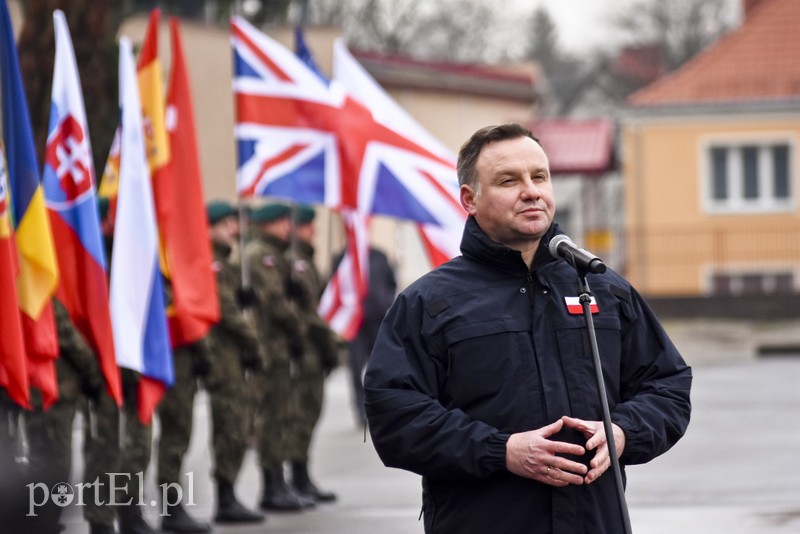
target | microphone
x=581, y=259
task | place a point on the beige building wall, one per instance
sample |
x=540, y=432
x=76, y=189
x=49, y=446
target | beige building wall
x=674, y=242
x=453, y=117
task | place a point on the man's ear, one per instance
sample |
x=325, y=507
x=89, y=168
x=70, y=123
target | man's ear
x=467, y=196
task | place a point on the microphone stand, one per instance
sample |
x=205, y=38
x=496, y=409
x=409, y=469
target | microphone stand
x=585, y=298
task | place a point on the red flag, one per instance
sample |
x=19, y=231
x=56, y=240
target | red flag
x=13, y=371
x=181, y=213
x=150, y=392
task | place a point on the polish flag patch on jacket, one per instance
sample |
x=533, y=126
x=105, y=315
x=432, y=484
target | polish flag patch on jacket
x=574, y=306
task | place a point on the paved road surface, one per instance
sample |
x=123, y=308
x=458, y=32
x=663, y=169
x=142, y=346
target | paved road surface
x=732, y=473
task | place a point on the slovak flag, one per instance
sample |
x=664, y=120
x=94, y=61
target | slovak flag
x=301, y=139
x=141, y=337
x=68, y=181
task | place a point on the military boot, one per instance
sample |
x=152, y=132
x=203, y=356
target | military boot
x=97, y=528
x=230, y=510
x=277, y=496
x=177, y=519
x=302, y=483
x=131, y=520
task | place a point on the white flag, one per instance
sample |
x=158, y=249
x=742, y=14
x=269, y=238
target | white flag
x=141, y=338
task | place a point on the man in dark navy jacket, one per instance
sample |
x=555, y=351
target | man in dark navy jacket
x=480, y=380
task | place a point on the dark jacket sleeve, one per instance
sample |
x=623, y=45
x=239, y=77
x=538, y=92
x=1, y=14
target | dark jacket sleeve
x=409, y=426
x=382, y=286
x=655, y=404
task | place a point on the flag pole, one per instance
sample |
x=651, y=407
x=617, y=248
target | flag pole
x=244, y=228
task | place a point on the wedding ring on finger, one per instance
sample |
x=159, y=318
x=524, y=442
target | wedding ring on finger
x=549, y=467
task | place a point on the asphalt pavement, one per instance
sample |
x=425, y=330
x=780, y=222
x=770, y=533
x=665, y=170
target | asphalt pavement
x=732, y=473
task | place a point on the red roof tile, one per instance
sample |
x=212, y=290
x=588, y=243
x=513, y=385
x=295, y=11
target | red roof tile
x=577, y=146
x=511, y=82
x=758, y=61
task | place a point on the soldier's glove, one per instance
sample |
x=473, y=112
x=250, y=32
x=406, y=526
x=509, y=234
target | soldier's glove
x=247, y=297
x=201, y=361
x=251, y=361
x=92, y=387
x=130, y=383
x=296, y=348
x=296, y=293
x=329, y=363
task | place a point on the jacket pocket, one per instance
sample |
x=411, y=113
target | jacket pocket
x=578, y=364
x=488, y=367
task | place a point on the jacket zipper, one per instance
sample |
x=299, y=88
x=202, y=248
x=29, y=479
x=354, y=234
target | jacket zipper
x=449, y=360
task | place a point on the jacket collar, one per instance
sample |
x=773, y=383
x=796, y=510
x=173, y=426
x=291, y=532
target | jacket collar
x=221, y=251
x=303, y=250
x=477, y=246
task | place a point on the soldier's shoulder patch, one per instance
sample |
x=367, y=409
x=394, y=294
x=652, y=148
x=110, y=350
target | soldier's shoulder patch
x=216, y=266
x=269, y=260
x=300, y=266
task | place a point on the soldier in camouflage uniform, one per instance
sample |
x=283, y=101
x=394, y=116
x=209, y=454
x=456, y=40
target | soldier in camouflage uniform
x=233, y=342
x=191, y=364
x=101, y=454
x=280, y=335
x=136, y=437
x=50, y=429
x=320, y=350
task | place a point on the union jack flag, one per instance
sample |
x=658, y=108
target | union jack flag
x=342, y=301
x=346, y=145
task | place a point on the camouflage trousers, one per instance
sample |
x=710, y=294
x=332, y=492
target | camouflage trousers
x=101, y=451
x=305, y=409
x=137, y=443
x=273, y=416
x=230, y=412
x=175, y=415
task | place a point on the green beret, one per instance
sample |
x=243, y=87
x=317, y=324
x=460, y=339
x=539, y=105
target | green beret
x=218, y=210
x=269, y=212
x=304, y=214
x=102, y=207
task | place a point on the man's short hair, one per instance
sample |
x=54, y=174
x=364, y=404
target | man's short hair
x=468, y=155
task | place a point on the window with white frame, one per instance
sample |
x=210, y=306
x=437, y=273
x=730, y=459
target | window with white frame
x=749, y=177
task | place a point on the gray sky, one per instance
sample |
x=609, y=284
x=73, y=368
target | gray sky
x=581, y=23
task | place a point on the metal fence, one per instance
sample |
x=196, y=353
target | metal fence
x=736, y=257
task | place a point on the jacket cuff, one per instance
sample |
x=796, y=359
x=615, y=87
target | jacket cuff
x=496, y=453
